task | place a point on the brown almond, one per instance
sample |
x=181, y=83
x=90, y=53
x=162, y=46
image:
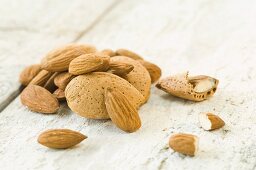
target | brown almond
x=29, y=73
x=210, y=121
x=62, y=79
x=108, y=52
x=60, y=94
x=41, y=78
x=154, y=71
x=89, y=63
x=119, y=68
x=128, y=53
x=60, y=138
x=49, y=85
x=58, y=60
x=38, y=99
x=123, y=114
x=184, y=143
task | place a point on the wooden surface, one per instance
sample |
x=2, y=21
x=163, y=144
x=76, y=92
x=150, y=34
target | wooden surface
x=215, y=38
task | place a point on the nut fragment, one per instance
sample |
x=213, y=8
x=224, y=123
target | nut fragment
x=60, y=94
x=184, y=143
x=38, y=99
x=88, y=63
x=41, y=78
x=121, y=111
x=62, y=79
x=196, y=88
x=108, y=52
x=60, y=138
x=128, y=53
x=119, y=68
x=154, y=70
x=210, y=121
x=59, y=59
x=29, y=73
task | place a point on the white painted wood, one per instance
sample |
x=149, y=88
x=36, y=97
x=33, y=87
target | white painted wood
x=28, y=30
x=206, y=37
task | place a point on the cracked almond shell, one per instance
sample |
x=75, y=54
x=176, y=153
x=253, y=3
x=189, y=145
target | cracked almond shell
x=138, y=77
x=197, y=88
x=85, y=93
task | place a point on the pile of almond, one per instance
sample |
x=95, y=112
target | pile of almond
x=96, y=84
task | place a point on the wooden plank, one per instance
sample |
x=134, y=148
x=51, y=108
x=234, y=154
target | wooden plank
x=33, y=29
x=205, y=37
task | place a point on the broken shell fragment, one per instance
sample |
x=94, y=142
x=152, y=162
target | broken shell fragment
x=197, y=88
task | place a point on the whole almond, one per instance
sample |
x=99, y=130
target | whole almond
x=49, y=85
x=184, y=143
x=128, y=53
x=60, y=138
x=59, y=94
x=210, y=121
x=119, y=68
x=29, y=73
x=41, y=78
x=38, y=99
x=88, y=63
x=59, y=59
x=123, y=114
x=154, y=70
x=108, y=52
x=62, y=79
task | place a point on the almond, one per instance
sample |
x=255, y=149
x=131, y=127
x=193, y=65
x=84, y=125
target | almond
x=38, y=99
x=29, y=73
x=41, y=78
x=154, y=71
x=128, y=53
x=210, y=121
x=59, y=59
x=123, y=114
x=184, y=143
x=119, y=68
x=49, y=85
x=59, y=94
x=88, y=63
x=62, y=79
x=108, y=52
x=60, y=138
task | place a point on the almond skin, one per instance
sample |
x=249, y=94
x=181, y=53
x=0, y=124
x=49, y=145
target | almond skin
x=38, y=99
x=60, y=94
x=58, y=60
x=41, y=78
x=123, y=114
x=89, y=63
x=128, y=53
x=154, y=71
x=29, y=73
x=62, y=79
x=60, y=138
x=108, y=52
x=119, y=68
x=210, y=121
x=184, y=143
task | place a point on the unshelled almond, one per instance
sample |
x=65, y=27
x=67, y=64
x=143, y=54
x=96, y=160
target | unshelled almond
x=38, y=99
x=128, y=53
x=123, y=114
x=184, y=143
x=210, y=121
x=29, y=73
x=62, y=79
x=41, y=78
x=59, y=59
x=108, y=52
x=154, y=70
x=88, y=63
x=119, y=68
x=60, y=138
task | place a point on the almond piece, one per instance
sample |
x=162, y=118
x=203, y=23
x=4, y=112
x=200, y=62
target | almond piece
x=108, y=52
x=60, y=94
x=123, y=114
x=62, y=80
x=60, y=138
x=29, y=73
x=184, y=143
x=38, y=99
x=128, y=53
x=49, y=85
x=89, y=63
x=210, y=121
x=59, y=59
x=154, y=71
x=119, y=68
x=41, y=78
